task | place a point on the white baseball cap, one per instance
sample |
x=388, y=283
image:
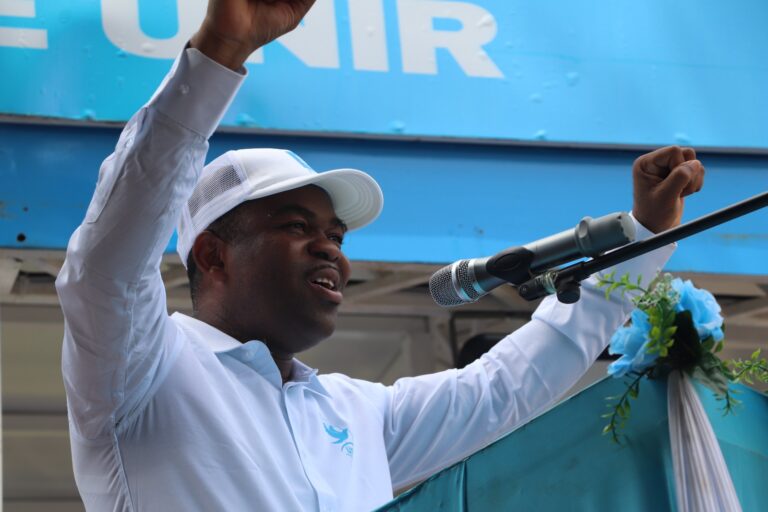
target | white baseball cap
x=242, y=175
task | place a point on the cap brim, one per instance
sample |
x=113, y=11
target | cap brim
x=357, y=198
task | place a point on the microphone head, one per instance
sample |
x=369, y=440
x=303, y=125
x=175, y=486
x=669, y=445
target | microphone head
x=453, y=285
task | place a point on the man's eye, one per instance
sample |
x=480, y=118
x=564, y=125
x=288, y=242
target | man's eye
x=336, y=238
x=297, y=226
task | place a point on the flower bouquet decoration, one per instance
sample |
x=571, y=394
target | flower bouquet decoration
x=674, y=326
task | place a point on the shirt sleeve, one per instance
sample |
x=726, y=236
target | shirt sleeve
x=118, y=338
x=434, y=420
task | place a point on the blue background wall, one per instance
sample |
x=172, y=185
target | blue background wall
x=566, y=90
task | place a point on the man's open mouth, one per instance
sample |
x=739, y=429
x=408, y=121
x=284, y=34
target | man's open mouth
x=325, y=283
x=328, y=280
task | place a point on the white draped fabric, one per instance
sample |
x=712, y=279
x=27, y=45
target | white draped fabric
x=702, y=480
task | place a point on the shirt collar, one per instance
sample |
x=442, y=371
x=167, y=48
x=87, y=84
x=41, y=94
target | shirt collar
x=221, y=343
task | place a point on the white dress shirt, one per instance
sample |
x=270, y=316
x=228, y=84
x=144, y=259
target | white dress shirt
x=168, y=413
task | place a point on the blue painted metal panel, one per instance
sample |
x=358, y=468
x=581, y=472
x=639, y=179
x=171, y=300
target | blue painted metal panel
x=442, y=201
x=598, y=71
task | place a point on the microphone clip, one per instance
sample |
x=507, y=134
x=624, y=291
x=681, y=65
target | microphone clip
x=512, y=265
x=567, y=289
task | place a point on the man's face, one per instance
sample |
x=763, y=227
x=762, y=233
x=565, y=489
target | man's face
x=288, y=273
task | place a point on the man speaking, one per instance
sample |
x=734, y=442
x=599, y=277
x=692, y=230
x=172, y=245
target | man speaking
x=213, y=412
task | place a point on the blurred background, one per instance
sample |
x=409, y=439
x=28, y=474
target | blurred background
x=488, y=123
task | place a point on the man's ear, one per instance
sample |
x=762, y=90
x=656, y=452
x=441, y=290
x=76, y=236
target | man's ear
x=208, y=252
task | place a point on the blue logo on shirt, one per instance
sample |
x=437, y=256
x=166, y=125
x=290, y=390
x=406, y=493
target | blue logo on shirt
x=341, y=437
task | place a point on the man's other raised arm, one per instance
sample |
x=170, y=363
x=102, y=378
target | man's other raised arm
x=117, y=332
x=118, y=339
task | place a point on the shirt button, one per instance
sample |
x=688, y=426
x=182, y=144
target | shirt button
x=184, y=89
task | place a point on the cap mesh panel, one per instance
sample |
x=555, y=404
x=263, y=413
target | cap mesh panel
x=212, y=186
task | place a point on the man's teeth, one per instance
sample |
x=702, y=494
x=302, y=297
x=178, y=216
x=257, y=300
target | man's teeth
x=326, y=283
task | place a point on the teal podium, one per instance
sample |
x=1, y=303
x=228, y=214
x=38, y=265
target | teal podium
x=561, y=462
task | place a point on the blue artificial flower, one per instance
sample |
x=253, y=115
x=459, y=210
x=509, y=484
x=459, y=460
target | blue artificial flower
x=705, y=311
x=631, y=343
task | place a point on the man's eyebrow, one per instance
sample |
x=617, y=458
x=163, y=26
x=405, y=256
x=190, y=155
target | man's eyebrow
x=305, y=212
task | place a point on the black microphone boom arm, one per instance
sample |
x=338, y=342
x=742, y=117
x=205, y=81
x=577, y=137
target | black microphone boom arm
x=565, y=281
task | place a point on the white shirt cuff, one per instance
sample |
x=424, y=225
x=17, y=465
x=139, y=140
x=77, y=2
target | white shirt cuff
x=197, y=92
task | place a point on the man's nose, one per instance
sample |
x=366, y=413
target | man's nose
x=324, y=248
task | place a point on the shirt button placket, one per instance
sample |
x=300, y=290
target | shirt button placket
x=291, y=393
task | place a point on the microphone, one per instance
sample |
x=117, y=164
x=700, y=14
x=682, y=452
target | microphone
x=465, y=281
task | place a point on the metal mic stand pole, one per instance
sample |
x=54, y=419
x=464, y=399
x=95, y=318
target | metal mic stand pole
x=565, y=282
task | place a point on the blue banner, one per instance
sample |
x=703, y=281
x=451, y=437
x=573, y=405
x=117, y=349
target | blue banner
x=600, y=71
x=560, y=461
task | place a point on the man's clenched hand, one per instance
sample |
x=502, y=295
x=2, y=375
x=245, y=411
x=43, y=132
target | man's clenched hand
x=233, y=29
x=662, y=179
